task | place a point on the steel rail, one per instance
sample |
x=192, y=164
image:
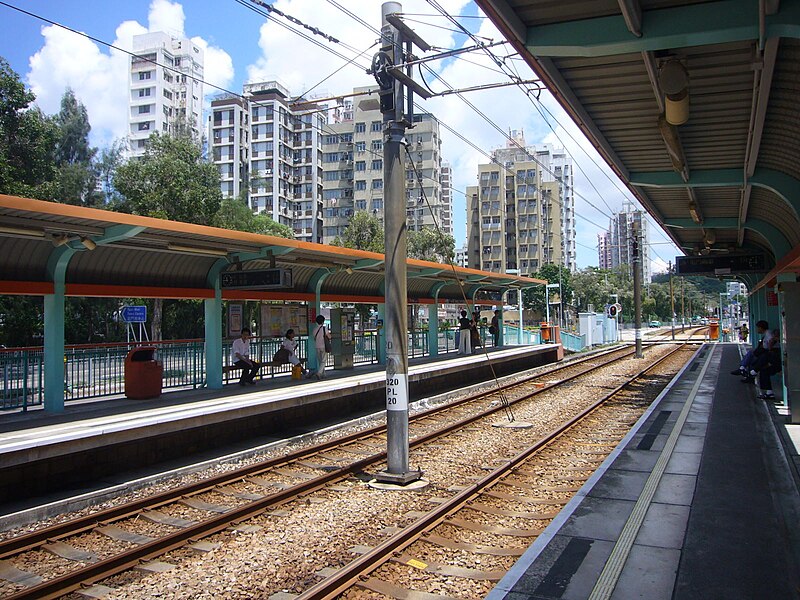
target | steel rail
x=33, y=539
x=56, y=587
x=348, y=575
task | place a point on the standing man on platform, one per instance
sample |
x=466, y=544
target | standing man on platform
x=494, y=328
x=464, y=333
x=322, y=344
x=240, y=357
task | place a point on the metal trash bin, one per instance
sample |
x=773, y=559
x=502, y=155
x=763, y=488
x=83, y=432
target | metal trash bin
x=143, y=374
x=544, y=327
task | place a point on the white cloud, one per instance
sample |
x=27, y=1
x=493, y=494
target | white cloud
x=99, y=76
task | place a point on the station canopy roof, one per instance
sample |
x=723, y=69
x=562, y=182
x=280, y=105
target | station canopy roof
x=121, y=255
x=727, y=180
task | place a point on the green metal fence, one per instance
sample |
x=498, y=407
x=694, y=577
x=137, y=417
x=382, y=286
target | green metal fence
x=96, y=371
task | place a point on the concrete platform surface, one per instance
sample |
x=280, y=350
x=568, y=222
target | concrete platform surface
x=699, y=501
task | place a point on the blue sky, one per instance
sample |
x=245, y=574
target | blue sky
x=241, y=46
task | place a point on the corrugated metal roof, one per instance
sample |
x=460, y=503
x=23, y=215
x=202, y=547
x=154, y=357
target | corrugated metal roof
x=156, y=255
x=612, y=98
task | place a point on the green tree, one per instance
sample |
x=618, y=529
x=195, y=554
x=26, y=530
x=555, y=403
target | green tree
x=171, y=181
x=364, y=232
x=76, y=181
x=535, y=298
x=105, y=167
x=429, y=244
x=27, y=141
x=234, y=214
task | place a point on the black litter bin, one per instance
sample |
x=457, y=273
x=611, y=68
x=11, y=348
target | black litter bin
x=143, y=374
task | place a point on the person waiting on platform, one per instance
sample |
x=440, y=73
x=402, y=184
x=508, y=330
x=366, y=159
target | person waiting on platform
x=464, y=333
x=290, y=346
x=494, y=328
x=475, y=332
x=240, y=356
x=322, y=344
x=767, y=364
x=744, y=331
x=749, y=360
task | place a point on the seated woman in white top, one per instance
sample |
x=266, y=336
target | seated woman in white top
x=291, y=346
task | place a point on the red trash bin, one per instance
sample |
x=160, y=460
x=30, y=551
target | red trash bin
x=545, y=329
x=143, y=374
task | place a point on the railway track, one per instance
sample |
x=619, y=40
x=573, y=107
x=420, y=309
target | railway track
x=184, y=516
x=409, y=558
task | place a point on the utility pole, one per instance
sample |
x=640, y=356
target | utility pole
x=683, y=309
x=396, y=294
x=671, y=301
x=637, y=287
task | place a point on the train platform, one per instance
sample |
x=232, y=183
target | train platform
x=96, y=441
x=700, y=500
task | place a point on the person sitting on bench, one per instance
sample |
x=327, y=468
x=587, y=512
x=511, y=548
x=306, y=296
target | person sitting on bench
x=240, y=357
x=290, y=350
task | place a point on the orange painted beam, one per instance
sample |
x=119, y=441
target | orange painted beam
x=26, y=288
x=136, y=291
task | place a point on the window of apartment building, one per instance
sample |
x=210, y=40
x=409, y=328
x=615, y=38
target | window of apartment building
x=141, y=143
x=144, y=126
x=377, y=164
x=167, y=77
x=494, y=176
x=178, y=62
x=331, y=175
x=361, y=184
x=486, y=220
x=377, y=204
x=484, y=177
x=361, y=165
x=165, y=127
x=361, y=204
x=377, y=145
x=331, y=157
x=143, y=75
x=144, y=92
x=331, y=139
x=361, y=127
x=167, y=94
x=143, y=110
x=485, y=206
x=346, y=137
x=377, y=184
x=376, y=126
x=361, y=146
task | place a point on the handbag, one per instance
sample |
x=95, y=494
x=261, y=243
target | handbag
x=326, y=340
x=281, y=356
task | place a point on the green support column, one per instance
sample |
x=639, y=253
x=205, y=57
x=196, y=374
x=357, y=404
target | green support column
x=314, y=307
x=784, y=278
x=54, y=349
x=213, y=333
x=433, y=329
x=380, y=346
x=500, y=336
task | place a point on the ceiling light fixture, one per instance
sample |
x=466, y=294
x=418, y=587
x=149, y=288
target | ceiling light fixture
x=21, y=231
x=694, y=211
x=60, y=240
x=673, y=79
x=196, y=250
x=88, y=243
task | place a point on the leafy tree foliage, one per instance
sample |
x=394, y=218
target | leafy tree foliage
x=429, y=244
x=535, y=298
x=234, y=214
x=76, y=181
x=171, y=181
x=364, y=232
x=27, y=139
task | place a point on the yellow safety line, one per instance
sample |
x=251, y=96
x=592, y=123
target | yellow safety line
x=608, y=578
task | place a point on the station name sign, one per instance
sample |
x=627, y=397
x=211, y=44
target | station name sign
x=720, y=265
x=262, y=279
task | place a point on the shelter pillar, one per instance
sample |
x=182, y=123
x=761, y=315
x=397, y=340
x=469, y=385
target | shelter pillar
x=380, y=346
x=213, y=333
x=500, y=335
x=788, y=291
x=314, y=308
x=433, y=329
x=54, y=348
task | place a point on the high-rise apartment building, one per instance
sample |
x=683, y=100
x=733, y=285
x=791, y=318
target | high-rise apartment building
x=166, y=89
x=446, y=179
x=616, y=248
x=353, y=167
x=519, y=212
x=604, y=250
x=271, y=149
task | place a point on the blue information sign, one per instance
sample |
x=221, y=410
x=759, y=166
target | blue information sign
x=134, y=314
